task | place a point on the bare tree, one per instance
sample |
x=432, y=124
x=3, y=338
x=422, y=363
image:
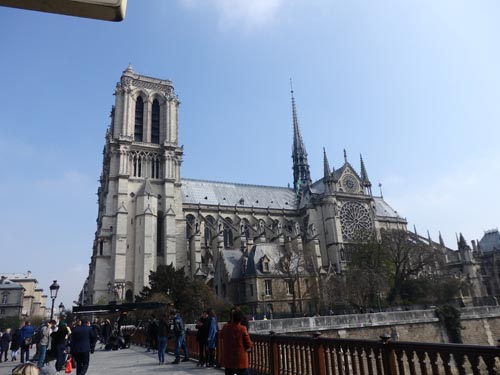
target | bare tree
x=367, y=274
x=409, y=257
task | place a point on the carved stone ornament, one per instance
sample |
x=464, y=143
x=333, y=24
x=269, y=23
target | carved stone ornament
x=160, y=86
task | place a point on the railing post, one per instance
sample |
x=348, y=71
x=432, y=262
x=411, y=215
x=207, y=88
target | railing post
x=388, y=356
x=274, y=354
x=318, y=362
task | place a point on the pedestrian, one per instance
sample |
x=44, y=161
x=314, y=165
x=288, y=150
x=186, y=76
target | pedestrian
x=106, y=332
x=59, y=344
x=162, y=338
x=4, y=344
x=45, y=332
x=152, y=335
x=14, y=344
x=81, y=337
x=212, y=337
x=97, y=334
x=180, y=337
x=237, y=345
x=202, y=325
x=25, y=339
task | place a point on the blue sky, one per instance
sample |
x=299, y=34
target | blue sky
x=412, y=85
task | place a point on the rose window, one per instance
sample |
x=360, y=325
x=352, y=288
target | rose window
x=356, y=222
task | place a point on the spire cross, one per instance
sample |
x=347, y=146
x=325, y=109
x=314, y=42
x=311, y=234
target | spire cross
x=380, y=187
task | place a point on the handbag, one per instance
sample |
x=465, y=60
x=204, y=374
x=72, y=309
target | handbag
x=69, y=365
x=27, y=341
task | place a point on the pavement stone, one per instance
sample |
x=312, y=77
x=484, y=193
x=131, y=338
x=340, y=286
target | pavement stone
x=133, y=361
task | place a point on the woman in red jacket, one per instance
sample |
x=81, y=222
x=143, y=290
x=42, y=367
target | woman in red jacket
x=237, y=344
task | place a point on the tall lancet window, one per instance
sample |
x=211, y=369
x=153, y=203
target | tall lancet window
x=155, y=122
x=139, y=119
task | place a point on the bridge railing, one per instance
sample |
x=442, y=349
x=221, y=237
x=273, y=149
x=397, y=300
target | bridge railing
x=301, y=355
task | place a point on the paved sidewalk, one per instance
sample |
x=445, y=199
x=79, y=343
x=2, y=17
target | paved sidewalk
x=133, y=361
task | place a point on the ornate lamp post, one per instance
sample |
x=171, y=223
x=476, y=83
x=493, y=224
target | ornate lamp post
x=54, y=288
x=61, y=311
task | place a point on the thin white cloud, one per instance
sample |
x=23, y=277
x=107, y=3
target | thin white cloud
x=240, y=13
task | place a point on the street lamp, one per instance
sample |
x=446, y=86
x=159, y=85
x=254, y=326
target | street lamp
x=54, y=288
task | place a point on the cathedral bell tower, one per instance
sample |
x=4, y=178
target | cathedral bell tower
x=139, y=198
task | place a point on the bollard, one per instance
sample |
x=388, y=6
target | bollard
x=388, y=355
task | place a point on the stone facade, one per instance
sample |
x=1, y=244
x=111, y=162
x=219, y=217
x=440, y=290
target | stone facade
x=25, y=293
x=11, y=298
x=223, y=233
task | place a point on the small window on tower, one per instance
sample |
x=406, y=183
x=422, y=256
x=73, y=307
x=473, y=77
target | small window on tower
x=155, y=122
x=139, y=119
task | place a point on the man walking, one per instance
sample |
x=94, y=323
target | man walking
x=25, y=339
x=81, y=337
x=45, y=332
x=180, y=338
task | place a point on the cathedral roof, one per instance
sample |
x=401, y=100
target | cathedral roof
x=382, y=208
x=272, y=251
x=241, y=195
x=490, y=241
x=232, y=261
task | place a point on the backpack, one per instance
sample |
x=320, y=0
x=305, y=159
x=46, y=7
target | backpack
x=37, y=336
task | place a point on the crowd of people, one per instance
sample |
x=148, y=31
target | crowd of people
x=234, y=335
x=58, y=342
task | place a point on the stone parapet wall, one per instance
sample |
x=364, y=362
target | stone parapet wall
x=481, y=325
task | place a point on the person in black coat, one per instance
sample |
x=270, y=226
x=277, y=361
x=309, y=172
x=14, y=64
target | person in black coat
x=59, y=343
x=81, y=337
x=4, y=344
x=14, y=345
x=106, y=332
x=203, y=326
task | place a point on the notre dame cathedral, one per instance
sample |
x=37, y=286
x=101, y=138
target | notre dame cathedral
x=228, y=234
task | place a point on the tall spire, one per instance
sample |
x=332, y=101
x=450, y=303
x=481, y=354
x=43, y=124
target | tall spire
x=364, y=176
x=301, y=174
x=326, y=165
x=441, y=241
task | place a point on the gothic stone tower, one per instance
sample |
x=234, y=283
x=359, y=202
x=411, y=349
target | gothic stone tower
x=140, y=207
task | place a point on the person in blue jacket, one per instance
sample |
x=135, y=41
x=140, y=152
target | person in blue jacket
x=212, y=337
x=25, y=337
x=81, y=336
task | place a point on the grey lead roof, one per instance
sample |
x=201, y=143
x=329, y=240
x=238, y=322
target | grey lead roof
x=8, y=284
x=490, y=241
x=382, y=208
x=231, y=194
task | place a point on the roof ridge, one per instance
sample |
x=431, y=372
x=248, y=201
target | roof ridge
x=237, y=183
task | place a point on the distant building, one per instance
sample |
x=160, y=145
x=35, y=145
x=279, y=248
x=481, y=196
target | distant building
x=33, y=299
x=230, y=235
x=487, y=252
x=11, y=298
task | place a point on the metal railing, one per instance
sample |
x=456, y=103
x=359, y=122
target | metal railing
x=301, y=355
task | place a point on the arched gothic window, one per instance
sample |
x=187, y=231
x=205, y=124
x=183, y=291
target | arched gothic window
x=228, y=234
x=155, y=122
x=139, y=119
x=208, y=231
